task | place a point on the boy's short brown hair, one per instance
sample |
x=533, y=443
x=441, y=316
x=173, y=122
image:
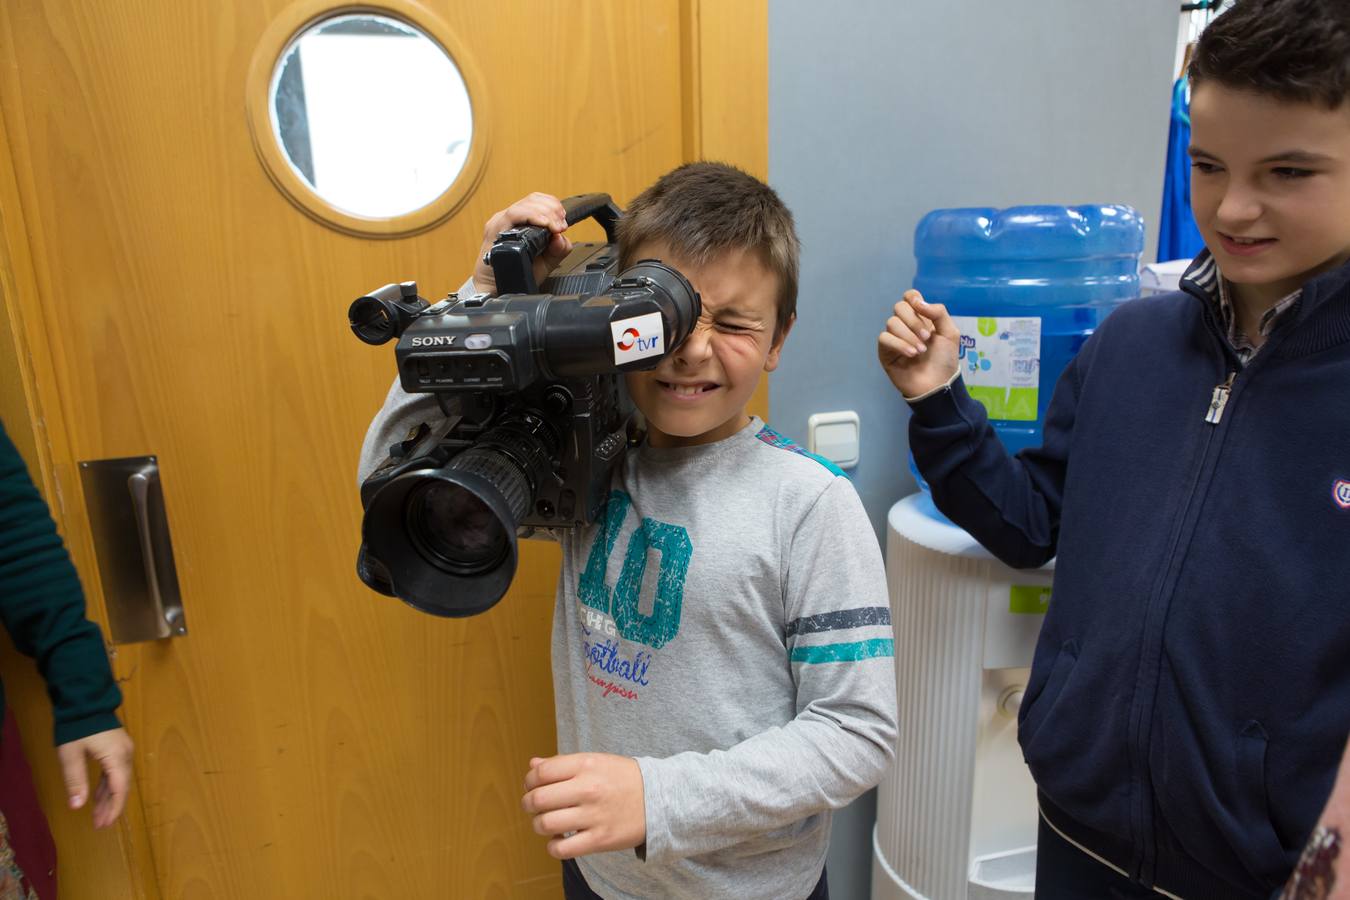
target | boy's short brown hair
x=1291, y=49
x=704, y=209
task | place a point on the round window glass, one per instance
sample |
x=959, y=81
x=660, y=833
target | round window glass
x=371, y=113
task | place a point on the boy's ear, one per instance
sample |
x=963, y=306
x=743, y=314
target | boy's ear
x=771, y=362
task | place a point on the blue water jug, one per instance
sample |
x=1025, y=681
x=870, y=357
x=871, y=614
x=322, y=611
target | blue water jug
x=1027, y=285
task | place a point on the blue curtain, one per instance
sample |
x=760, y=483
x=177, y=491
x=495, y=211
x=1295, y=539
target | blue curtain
x=1178, y=238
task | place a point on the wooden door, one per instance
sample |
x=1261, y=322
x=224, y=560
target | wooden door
x=307, y=738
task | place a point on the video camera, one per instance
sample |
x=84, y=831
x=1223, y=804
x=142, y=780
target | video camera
x=536, y=415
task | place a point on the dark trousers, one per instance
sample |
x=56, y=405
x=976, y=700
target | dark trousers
x=1063, y=872
x=576, y=888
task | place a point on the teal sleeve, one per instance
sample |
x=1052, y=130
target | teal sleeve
x=42, y=607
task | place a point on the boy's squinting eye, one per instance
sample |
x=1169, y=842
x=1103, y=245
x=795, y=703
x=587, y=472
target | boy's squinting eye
x=1291, y=174
x=732, y=326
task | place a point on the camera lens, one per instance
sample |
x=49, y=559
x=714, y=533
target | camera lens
x=455, y=529
x=442, y=537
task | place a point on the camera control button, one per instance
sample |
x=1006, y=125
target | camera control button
x=478, y=342
x=557, y=401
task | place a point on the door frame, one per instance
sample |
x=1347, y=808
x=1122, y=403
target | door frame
x=35, y=417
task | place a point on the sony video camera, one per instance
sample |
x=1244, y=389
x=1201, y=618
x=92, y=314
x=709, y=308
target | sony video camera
x=536, y=415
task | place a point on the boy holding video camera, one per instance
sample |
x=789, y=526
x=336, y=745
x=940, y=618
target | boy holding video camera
x=722, y=647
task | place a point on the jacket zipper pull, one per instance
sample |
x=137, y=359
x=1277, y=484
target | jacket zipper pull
x=1220, y=400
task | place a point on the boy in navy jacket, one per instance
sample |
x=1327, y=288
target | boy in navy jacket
x=1190, y=694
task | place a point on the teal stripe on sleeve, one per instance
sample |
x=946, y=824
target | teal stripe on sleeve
x=849, y=652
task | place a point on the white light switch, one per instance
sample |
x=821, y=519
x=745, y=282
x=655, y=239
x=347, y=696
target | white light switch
x=835, y=436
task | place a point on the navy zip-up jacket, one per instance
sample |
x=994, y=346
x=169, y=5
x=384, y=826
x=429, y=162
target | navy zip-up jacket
x=1190, y=693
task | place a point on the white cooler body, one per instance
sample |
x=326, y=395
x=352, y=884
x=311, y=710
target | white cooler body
x=956, y=817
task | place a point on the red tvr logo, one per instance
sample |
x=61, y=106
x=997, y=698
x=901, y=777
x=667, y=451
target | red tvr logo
x=637, y=337
x=633, y=338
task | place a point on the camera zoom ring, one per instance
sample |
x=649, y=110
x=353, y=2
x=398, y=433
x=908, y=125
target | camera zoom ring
x=500, y=472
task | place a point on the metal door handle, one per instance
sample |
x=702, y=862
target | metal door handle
x=134, y=550
x=168, y=605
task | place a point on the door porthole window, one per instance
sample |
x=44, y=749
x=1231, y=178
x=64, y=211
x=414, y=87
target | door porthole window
x=367, y=118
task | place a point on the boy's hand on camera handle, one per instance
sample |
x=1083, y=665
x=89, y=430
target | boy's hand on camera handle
x=542, y=210
x=586, y=803
x=919, y=348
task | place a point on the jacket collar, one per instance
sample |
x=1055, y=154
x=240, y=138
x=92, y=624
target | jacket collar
x=1201, y=280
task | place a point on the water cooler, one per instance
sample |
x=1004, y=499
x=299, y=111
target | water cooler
x=956, y=817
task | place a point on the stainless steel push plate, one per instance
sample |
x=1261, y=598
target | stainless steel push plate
x=135, y=553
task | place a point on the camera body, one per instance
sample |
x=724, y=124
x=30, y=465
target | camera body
x=480, y=356
x=536, y=412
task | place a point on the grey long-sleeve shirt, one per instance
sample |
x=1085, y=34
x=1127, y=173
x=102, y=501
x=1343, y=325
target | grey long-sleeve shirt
x=728, y=626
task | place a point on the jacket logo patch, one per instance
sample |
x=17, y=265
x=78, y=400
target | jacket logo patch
x=1341, y=493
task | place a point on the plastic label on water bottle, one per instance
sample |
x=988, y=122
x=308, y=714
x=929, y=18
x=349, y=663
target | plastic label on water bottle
x=1000, y=360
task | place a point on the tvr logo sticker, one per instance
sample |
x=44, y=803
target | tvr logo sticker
x=1341, y=493
x=637, y=338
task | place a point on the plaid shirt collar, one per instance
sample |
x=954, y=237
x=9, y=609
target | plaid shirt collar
x=1204, y=273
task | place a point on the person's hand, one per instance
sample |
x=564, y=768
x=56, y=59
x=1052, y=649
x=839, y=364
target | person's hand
x=919, y=347
x=1323, y=869
x=112, y=751
x=586, y=803
x=543, y=210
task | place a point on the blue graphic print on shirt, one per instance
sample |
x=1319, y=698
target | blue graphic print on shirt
x=659, y=627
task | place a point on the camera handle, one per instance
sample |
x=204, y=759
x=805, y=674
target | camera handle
x=513, y=253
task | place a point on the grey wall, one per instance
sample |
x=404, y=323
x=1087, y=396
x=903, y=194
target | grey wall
x=881, y=110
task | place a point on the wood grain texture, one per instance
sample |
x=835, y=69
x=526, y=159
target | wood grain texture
x=117, y=860
x=307, y=738
x=726, y=82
